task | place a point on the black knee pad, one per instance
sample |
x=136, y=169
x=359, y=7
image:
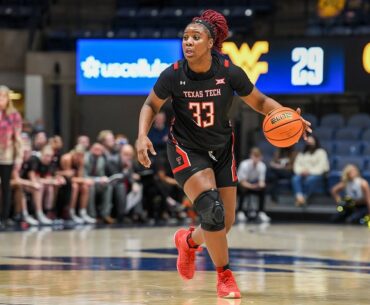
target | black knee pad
x=211, y=211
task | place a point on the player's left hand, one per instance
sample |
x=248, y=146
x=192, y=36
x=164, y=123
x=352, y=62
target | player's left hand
x=306, y=123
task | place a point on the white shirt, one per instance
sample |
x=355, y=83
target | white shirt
x=251, y=172
x=354, y=189
x=316, y=163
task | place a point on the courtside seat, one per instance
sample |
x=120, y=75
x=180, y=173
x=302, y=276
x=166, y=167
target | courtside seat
x=149, y=33
x=334, y=177
x=348, y=133
x=325, y=133
x=332, y=120
x=348, y=148
x=329, y=146
x=360, y=120
x=365, y=148
x=366, y=135
x=339, y=162
x=171, y=33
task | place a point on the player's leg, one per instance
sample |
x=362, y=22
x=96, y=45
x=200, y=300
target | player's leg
x=75, y=189
x=201, y=190
x=228, y=197
x=211, y=209
x=84, y=200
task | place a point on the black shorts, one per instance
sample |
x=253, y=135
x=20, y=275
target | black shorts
x=185, y=162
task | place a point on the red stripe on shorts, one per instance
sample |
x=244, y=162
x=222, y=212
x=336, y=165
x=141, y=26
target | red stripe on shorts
x=233, y=163
x=185, y=158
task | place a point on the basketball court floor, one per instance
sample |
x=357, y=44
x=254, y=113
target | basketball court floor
x=275, y=264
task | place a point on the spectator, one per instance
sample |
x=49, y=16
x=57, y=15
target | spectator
x=309, y=168
x=106, y=138
x=72, y=166
x=10, y=150
x=153, y=201
x=95, y=168
x=171, y=191
x=38, y=125
x=158, y=134
x=84, y=141
x=355, y=202
x=27, y=127
x=128, y=192
x=40, y=140
x=56, y=143
x=43, y=171
x=120, y=140
x=252, y=175
x=22, y=186
x=281, y=167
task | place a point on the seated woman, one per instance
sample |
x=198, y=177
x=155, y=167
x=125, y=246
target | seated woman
x=309, y=169
x=355, y=202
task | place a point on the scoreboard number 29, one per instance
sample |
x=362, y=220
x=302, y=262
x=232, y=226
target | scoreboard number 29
x=309, y=66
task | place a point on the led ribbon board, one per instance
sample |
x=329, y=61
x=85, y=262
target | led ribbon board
x=291, y=67
x=122, y=66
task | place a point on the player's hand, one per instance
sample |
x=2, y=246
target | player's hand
x=307, y=125
x=143, y=144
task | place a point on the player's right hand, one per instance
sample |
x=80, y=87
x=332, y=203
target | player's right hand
x=143, y=144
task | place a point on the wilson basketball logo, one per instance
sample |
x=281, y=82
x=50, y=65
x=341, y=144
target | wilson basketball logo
x=279, y=117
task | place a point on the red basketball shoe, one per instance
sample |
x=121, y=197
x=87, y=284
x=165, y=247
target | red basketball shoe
x=226, y=285
x=186, y=255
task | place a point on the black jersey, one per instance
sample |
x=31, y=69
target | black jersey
x=201, y=101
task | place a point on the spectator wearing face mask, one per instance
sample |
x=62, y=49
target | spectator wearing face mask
x=309, y=168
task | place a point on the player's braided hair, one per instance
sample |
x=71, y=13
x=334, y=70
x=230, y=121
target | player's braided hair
x=216, y=24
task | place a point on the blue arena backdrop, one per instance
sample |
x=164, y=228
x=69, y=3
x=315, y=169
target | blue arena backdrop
x=122, y=66
x=289, y=66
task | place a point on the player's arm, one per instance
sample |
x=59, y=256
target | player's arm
x=335, y=191
x=366, y=191
x=150, y=108
x=264, y=104
x=260, y=102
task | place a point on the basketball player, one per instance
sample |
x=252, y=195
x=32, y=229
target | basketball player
x=200, y=147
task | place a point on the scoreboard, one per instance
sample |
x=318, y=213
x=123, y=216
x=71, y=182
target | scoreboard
x=285, y=66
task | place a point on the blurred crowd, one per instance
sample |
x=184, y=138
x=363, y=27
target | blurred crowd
x=94, y=182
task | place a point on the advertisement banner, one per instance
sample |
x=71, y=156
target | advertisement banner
x=122, y=66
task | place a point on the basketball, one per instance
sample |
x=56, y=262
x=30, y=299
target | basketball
x=283, y=127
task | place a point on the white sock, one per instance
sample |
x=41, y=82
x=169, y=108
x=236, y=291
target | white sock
x=83, y=212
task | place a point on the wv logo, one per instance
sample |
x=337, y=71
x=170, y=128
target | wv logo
x=247, y=58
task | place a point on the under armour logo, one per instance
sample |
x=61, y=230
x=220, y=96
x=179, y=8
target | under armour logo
x=220, y=81
x=182, y=82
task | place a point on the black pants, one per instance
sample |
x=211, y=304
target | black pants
x=243, y=192
x=5, y=175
